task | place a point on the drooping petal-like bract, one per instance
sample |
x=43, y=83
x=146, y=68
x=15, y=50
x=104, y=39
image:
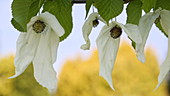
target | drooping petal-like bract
x=145, y=25
x=165, y=67
x=132, y=31
x=39, y=49
x=87, y=28
x=25, y=52
x=108, y=47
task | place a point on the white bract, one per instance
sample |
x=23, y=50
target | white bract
x=87, y=28
x=40, y=49
x=108, y=47
x=145, y=25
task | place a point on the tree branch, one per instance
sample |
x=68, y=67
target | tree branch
x=79, y=1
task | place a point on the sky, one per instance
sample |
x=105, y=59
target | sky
x=70, y=47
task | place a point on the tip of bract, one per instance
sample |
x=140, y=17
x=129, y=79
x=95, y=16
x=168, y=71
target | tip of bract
x=52, y=91
x=141, y=57
x=85, y=47
x=112, y=88
x=13, y=77
x=109, y=81
x=156, y=87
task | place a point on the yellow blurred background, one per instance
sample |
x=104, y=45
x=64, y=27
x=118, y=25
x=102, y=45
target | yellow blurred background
x=80, y=77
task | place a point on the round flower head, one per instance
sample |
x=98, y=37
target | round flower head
x=108, y=44
x=39, y=46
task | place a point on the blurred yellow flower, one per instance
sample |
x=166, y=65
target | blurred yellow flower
x=79, y=77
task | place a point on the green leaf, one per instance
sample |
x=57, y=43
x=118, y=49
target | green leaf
x=158, y=25
x=24, y=10
x=62, y=10
x=109, y=9
x=148, y=5
x=134, y=12
x=17, y=25
x=165, y=4
x=88, y=5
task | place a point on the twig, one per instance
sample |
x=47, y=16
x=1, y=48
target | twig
x=79, y=1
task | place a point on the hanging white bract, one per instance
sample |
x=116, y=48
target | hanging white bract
x=145, y=25
x=39, y=46
x=108, y=44
x=91, y=22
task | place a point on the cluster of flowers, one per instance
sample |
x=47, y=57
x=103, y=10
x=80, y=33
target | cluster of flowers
x=39, y=45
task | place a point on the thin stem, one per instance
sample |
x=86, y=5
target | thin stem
x=115, y=19
x=39, y=6
x=111, y=20
x=79, y=1
x=93, y=8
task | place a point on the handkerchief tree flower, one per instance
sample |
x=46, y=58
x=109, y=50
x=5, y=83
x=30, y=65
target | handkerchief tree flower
x=145, y=25
x=39, y=46
x=108, y=44
x=91, y=22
